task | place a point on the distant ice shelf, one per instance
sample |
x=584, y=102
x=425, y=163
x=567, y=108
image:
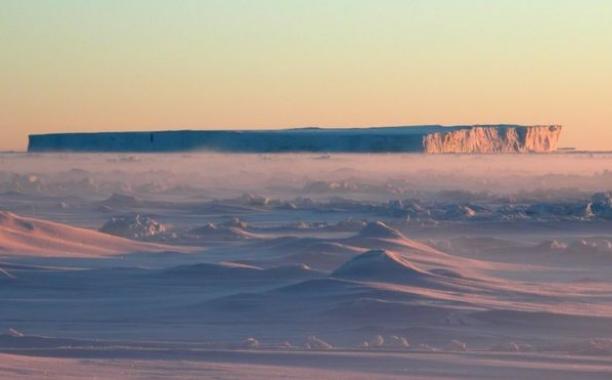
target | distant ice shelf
x=426, y=139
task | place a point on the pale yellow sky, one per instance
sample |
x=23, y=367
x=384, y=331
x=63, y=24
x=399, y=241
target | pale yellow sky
x=137, y=65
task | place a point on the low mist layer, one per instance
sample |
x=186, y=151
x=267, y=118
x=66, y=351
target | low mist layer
x=294, y=261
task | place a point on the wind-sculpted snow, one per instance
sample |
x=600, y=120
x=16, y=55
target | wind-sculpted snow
x=383, y=266
x=40, y=237
x=428, y=139
x=424, y=266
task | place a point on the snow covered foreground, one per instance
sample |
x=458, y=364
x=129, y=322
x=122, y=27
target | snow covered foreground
x=267, y=365
x=153, y=266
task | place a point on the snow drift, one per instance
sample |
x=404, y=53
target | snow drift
x=40, y=237
x=380, y=265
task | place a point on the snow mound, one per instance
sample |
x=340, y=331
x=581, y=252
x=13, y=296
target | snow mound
x=378, y=235
x=134, y=226
x=249, y=344
x=380, y=230
x=375, y=342
x=44, y=238
x=253, y=200
x=383, y=266
x=391, y=342
x=314, y=343
x=551, y=246
x=318, y=254
x=425, y=348
x=456, y=346
x=236, y=223
x=395, y=341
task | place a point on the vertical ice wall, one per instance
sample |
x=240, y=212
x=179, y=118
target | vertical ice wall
x=428, y=139
x=501, y=139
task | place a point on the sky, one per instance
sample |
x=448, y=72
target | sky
x=119, y=65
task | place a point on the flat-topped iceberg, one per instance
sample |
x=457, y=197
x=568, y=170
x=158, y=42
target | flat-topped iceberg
x=427, y=139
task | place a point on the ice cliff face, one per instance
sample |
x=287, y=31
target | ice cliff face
x=494, y=139
x=429, y=139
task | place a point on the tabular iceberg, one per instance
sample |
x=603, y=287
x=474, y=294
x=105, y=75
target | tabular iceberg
x=426, y=139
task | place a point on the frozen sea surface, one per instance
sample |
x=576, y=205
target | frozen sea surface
x=302, y=265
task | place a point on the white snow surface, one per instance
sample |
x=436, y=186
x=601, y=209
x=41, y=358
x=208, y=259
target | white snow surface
x=366, y=275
